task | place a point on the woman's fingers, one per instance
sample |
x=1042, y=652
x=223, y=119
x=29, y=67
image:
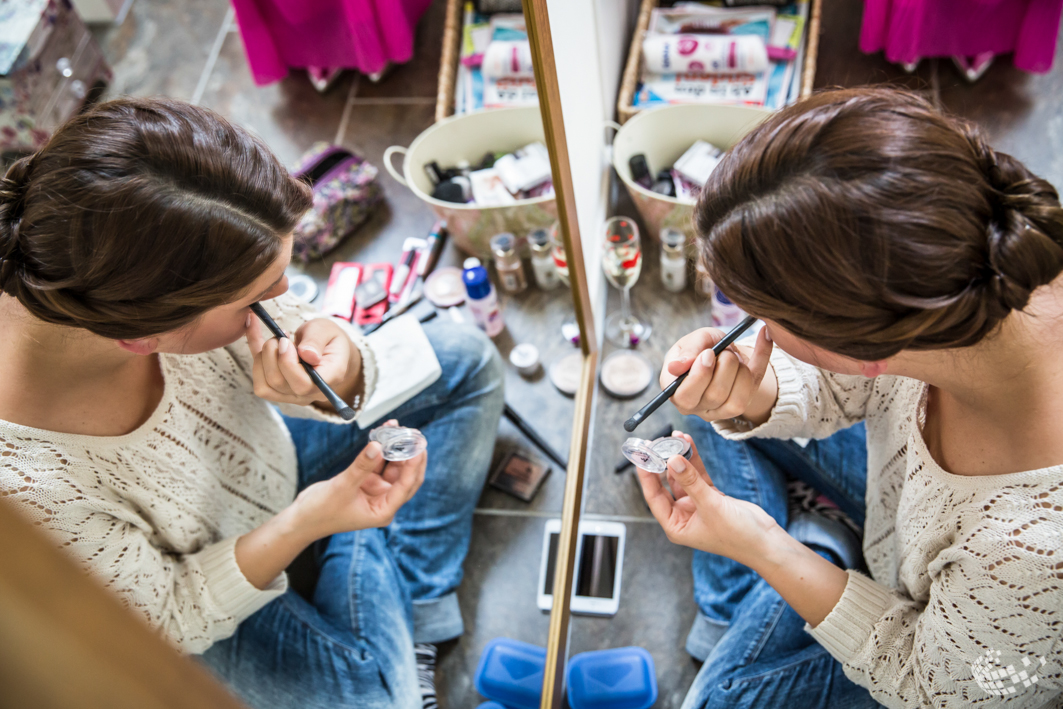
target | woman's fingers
x=722, y=382
x=296, y=380
x=688, y=396
x=657, y=497
x=255, y=336
x=761, y=359
x=411, y=475
x=694, y=482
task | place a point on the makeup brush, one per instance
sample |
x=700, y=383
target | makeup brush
x=632, y=423
x=337, y=403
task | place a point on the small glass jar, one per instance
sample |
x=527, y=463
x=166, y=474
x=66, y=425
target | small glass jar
x=542, y=260
x=673, y=260
x=398, y=442
x=507, y=261
x=652, y=456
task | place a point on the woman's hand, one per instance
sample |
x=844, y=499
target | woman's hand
x=739, y=382
x=278, y=376
x=702, y=517
x=366, y=494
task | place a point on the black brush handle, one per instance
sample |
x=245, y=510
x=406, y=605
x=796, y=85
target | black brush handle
x=345, y=411
x=632, y=423
x=533, y=435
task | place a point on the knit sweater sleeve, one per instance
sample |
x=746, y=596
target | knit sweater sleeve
x=812, y=402
x=291, y=313
x=193, y=598
x=990, y=632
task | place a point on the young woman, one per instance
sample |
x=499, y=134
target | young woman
x=908, y=277
x=136, y=428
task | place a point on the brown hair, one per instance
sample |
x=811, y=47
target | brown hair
x=866, y=222
x=139, y=215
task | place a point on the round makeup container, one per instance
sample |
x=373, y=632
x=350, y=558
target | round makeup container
x=565, y=373
x=626, y=373
x=399, y=442
x=525, y=357
x=444, y=287
x=652, y=456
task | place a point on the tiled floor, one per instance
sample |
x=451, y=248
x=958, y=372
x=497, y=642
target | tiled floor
x=191, y=50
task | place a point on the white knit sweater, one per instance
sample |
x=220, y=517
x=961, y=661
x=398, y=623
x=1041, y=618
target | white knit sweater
x=155, y=514
x=966, y=594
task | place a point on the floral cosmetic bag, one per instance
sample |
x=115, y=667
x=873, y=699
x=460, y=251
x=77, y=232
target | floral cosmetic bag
x=346, y=193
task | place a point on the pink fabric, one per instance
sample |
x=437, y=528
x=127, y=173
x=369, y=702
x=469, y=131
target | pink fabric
x=913, y=29
x=351, y=34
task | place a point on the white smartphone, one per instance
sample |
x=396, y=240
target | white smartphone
x=599, y=565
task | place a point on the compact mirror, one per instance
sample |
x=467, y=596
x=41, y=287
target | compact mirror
x=399, y=443
x=652, y=456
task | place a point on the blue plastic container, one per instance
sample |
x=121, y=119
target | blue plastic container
x=620, y=678
x=511, y=673
x=490, y=705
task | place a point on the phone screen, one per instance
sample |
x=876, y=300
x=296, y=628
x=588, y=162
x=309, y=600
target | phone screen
x=596, y=570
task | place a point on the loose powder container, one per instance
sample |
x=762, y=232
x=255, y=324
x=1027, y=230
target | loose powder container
x=525, y=357
x=626, y=374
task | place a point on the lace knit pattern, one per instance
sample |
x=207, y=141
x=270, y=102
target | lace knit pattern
x=961, y=566
x=155, y=514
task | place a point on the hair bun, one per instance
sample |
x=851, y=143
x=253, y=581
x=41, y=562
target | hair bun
x=13, y=187
x=1025, y=233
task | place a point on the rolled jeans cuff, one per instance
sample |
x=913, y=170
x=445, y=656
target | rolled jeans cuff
x=703, y=636
x=814, y=529
x=437, y=619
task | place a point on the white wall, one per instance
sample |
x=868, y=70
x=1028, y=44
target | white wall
x=590, y=46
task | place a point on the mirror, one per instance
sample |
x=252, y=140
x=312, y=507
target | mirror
x=665, y=298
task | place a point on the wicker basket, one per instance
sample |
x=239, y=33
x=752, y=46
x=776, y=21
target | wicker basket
x=624, y=105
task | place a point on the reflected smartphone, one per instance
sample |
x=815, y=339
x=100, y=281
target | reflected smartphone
x=599, y=563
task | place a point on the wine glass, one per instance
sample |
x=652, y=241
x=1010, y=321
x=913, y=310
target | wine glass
x=622, y=263
x=569, y=328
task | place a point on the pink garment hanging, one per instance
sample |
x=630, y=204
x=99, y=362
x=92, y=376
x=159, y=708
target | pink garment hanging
x=909, y=30
x=352, y=34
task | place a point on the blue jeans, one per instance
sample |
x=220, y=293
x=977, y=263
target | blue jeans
x=755, y=650
x=379, y=590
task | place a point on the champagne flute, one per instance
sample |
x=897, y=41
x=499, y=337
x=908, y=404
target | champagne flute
x=622, y=264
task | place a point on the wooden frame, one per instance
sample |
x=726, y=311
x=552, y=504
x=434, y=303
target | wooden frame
x=630, y=80
x=537, y=20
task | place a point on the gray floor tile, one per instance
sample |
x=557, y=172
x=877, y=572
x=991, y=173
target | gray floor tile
x=656, y=611
x=161, y=47
x=498, y=599
x=289, y=114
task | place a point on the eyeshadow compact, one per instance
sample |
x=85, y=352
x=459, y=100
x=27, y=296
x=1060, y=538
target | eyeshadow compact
x=398, y=442
x=652, y=456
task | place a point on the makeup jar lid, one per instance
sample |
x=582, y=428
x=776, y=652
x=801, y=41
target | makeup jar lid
x=652, y=456
x=626, y=373
x=565, y=373
x=525, y=357
x=399, y=442
x=444, y=288
x=302, y=287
